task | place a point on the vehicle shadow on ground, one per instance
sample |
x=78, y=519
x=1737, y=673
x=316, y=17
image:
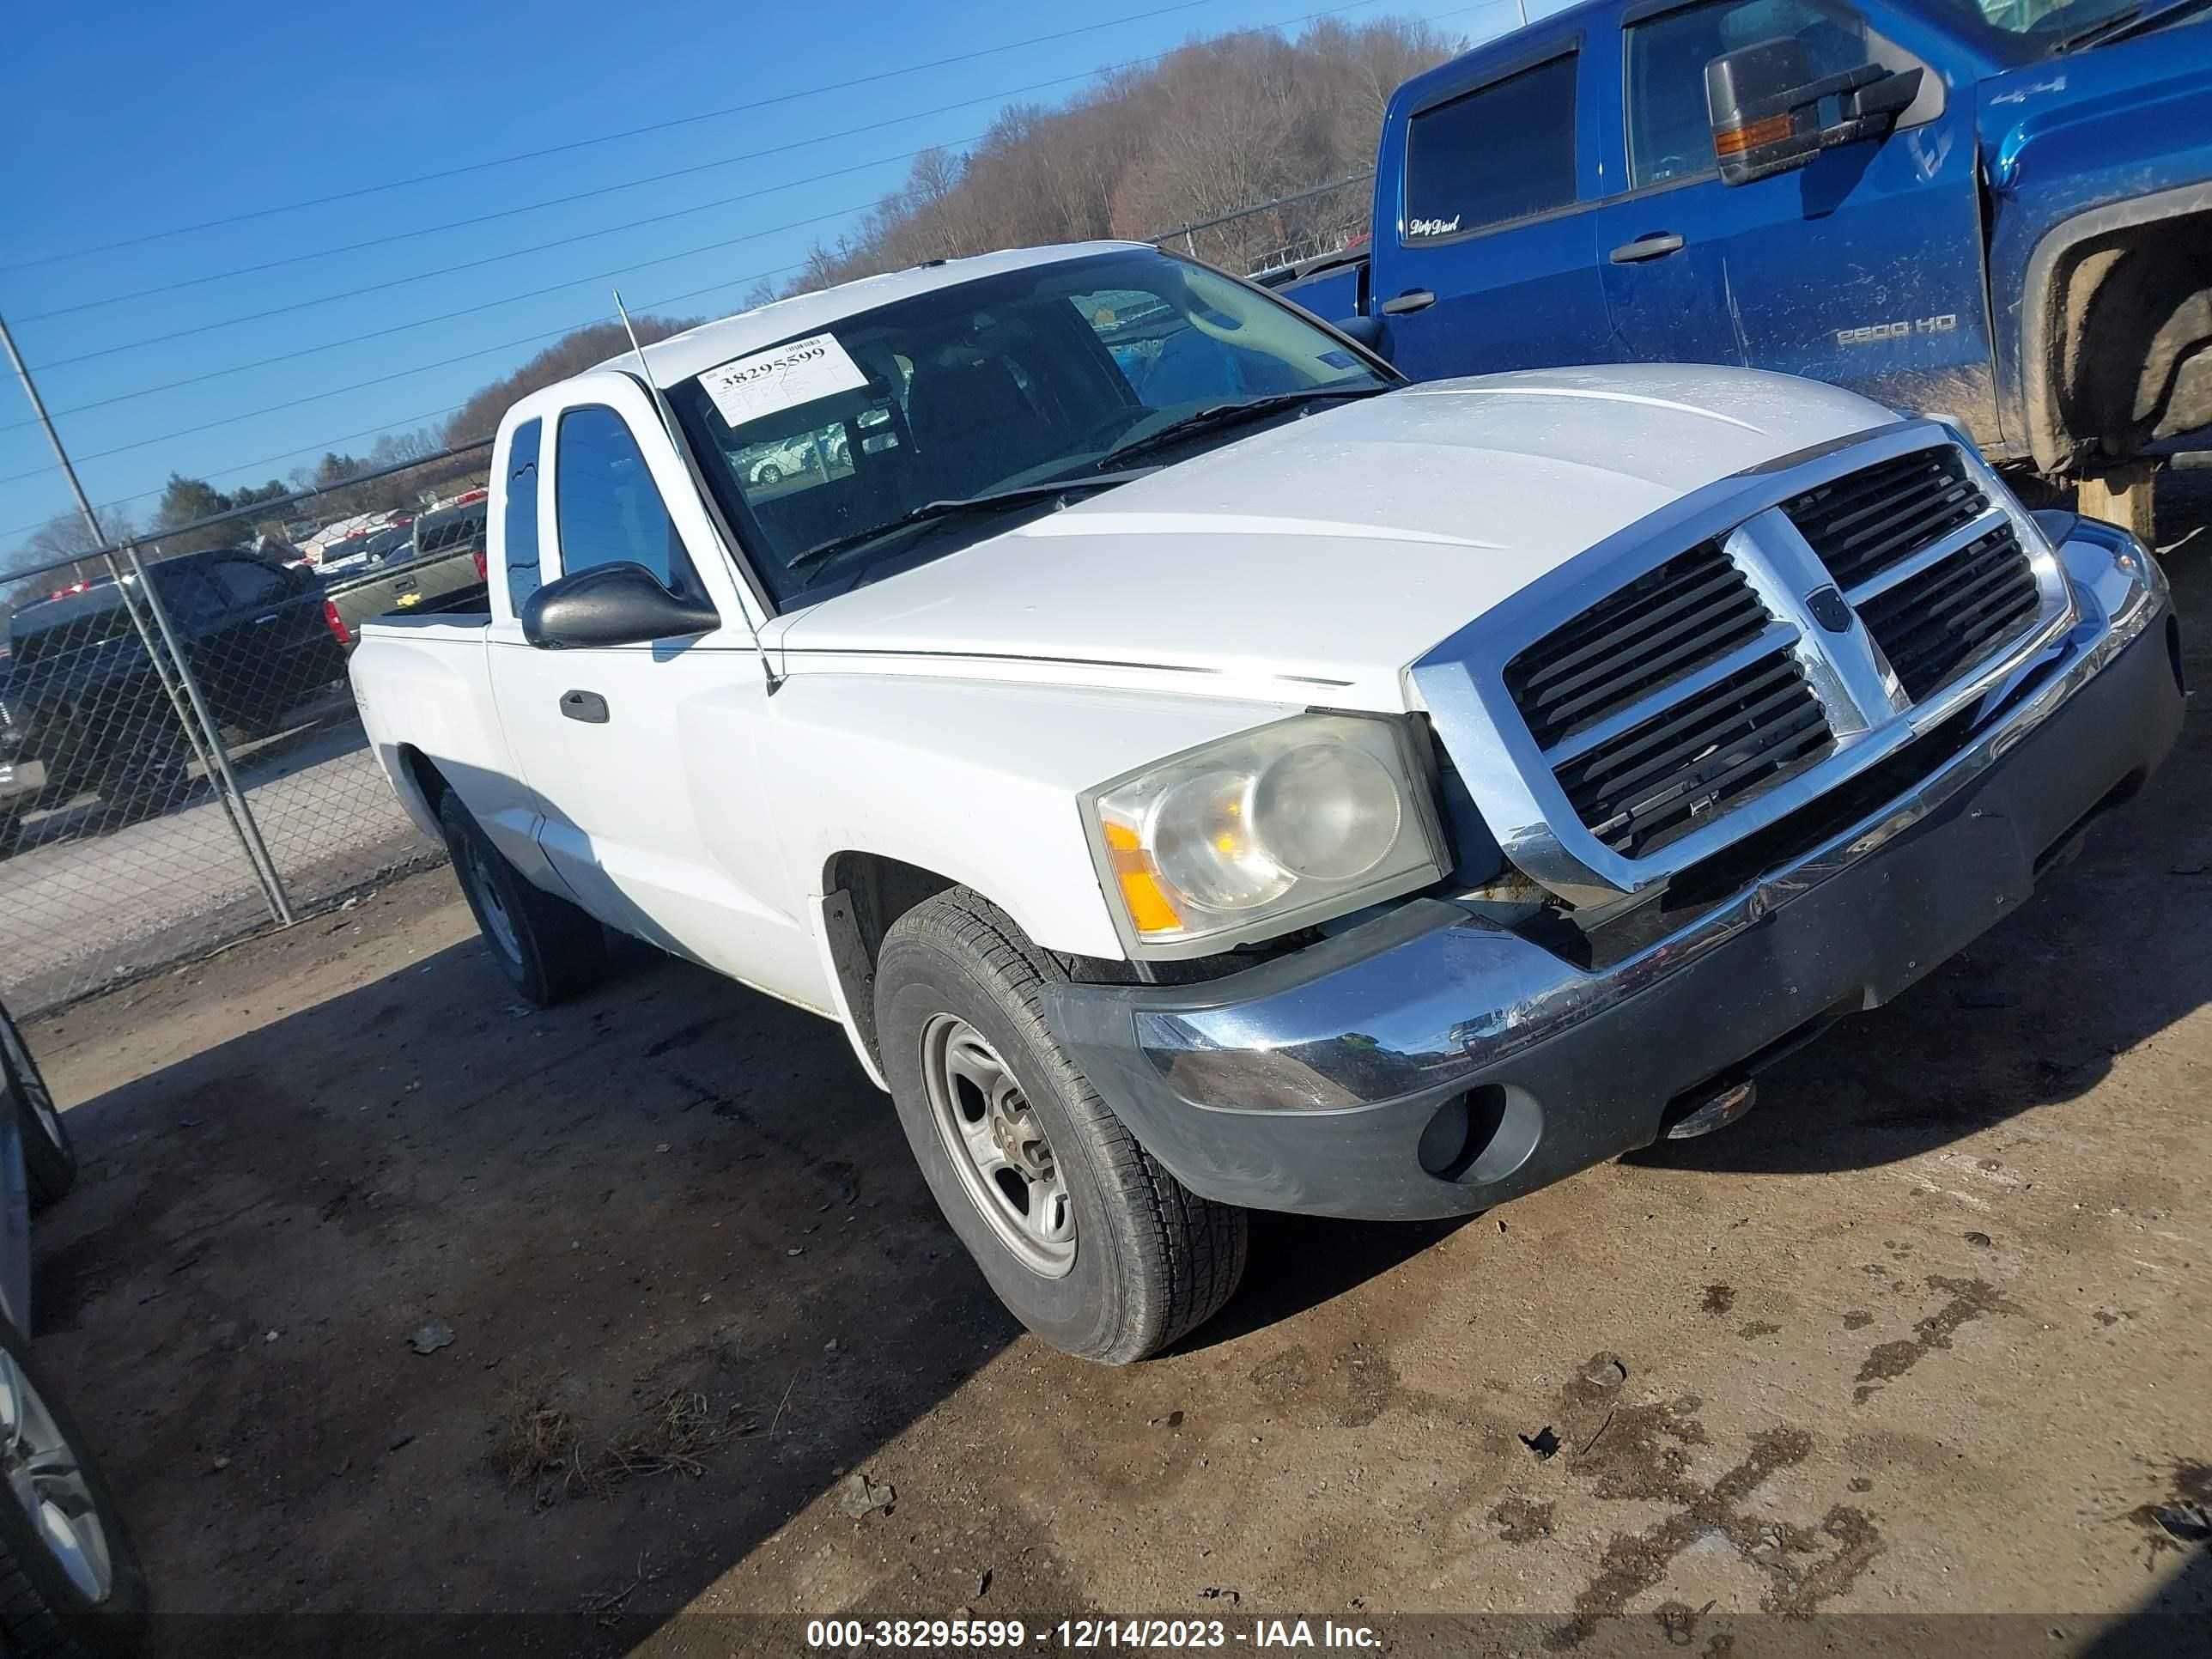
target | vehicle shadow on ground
x=674, y=1269
x=2034, y=1012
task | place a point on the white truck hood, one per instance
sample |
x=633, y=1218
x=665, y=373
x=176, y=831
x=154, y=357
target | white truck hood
x=1314, y=563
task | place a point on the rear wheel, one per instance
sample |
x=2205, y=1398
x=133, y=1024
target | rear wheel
x=49, y=1159
x=547, y=948
x=69, y=1581
x=1087, y=1238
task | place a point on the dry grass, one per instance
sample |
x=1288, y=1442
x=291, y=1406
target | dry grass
x=541, y=1443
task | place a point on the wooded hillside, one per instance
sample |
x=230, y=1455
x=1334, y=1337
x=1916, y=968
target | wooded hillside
x=1217, y=126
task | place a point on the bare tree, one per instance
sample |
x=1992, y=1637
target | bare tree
x=65, y=538
x=1216, y=127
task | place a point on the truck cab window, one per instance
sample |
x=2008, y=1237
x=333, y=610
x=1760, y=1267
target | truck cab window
x=1669, y=134
x=244, y=584
x=1503, y=151
x=520, y=520
x=606, y=504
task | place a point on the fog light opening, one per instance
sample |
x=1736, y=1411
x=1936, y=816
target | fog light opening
x=1481, y=1136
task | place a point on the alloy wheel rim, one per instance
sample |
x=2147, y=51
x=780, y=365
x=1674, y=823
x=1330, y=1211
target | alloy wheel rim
x=998, y=1146
x=42, y=1472
x=497, y=922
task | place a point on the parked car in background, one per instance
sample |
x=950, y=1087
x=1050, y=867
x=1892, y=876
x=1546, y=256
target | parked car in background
x=82, y=702
x=1242, y=779
x=1996, y=213
x=786, y=459
x=70, y=1583
x=442, y=553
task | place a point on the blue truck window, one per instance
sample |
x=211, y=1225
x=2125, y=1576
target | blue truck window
x=1503, y=151
x=521, y=523
x=1669, y=135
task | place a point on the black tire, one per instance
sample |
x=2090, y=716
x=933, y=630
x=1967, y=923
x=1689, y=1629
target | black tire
x=44, y=1612
x=549, y=949
x=11, y=834
x=49, y=1159
x=1151, y=1260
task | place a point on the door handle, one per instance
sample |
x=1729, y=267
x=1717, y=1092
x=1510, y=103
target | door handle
x=259, y=622
x=1656, y=246
x=1414, y=299
x=588, y=706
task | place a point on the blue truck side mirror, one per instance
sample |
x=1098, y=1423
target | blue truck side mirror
x=1768, y=116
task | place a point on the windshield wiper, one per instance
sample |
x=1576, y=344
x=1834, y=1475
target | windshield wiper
x=2133, y=20
x=930, y=510
x=2126, y=16
x=1226, y=414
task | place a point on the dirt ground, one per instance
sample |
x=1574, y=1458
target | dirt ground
x=1928, y=1334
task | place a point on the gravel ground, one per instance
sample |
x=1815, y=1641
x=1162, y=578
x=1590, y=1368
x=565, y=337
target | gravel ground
x=1924, y=1337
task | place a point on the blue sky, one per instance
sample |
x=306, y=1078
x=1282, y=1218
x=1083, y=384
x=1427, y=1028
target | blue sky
x=127, y=118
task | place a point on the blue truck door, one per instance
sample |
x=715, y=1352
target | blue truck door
x=1492, y=264
x=1665, y=274
x=1864, y=269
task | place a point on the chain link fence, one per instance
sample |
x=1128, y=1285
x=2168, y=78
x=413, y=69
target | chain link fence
x=1281, y=235
x=181, y=759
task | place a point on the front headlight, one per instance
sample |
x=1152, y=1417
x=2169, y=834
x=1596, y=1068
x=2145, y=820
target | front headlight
x=1256, y=834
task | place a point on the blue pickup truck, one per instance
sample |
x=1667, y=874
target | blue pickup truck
x=1998, y=212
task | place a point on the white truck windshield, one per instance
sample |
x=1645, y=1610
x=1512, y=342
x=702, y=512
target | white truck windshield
x=1012, y=380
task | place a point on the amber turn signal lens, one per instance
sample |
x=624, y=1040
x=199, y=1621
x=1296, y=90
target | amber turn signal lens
x=1735, y=141
x=1150, y=908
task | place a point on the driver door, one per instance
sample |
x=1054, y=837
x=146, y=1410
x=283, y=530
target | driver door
x=642, y=755
x=1862, y=270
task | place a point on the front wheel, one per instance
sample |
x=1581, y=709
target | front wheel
x=49, y=1159
x=548, y=949
x=71, y=1587
x=1086, y=1237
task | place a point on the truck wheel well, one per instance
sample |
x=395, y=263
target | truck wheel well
x=2130, y=340
x=866, y=893
x=423, y=773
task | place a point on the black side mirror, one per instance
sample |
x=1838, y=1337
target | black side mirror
x=1767, y=113
x=612, y=604
x=1365, y=331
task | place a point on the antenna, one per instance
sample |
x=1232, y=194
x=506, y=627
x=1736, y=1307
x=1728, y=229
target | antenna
x=668, y=431
x=659, y=404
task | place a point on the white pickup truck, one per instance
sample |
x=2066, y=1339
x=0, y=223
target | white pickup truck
x=1202, y=773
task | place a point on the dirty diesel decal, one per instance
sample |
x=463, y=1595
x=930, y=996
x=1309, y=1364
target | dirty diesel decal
x=1873, y=332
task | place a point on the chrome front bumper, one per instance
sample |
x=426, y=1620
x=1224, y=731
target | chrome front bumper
x=1430, y=1064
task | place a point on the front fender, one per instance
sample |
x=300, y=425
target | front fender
x=2074, y=148
x=975, y=780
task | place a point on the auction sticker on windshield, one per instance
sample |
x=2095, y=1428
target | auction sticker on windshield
x=782, y=377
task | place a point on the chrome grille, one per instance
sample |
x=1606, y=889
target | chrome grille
x=1687, y=613
x=1946, y=616
x=1654, y=706
x=1666, y=700
x=1865, y=522
x=1666, y=775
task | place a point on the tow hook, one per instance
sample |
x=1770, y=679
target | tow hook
x=1702, y=1115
